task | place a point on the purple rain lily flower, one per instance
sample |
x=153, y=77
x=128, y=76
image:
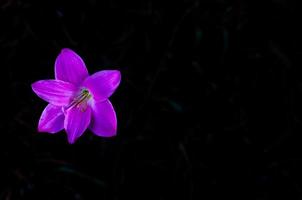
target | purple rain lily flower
x=76, y=100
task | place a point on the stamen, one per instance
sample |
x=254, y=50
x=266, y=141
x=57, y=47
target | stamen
x=80, y=101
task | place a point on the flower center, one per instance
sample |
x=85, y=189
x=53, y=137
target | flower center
x=80, y=100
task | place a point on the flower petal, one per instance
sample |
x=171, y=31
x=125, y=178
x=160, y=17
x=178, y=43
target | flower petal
x=103, y=122
x=51, y=120
x=103, y=83
x=55, y=92
x=76, y=122
x=70, y=67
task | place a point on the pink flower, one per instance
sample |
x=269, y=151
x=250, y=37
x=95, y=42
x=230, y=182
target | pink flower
x=76, y=100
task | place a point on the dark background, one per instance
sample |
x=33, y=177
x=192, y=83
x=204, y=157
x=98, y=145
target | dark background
x=209, y=106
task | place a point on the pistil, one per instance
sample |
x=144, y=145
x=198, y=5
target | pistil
x=80, y=101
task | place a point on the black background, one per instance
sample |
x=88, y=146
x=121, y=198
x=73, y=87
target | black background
x=209, y=106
